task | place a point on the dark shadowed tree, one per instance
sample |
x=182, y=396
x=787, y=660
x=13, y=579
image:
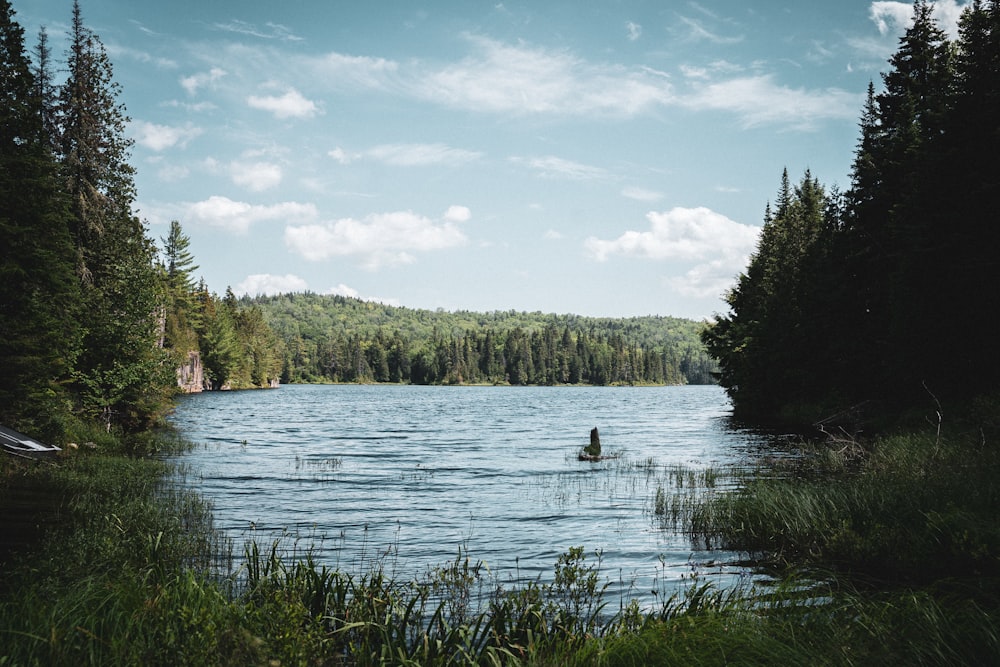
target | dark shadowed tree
x=39, y=336
x=122, y=373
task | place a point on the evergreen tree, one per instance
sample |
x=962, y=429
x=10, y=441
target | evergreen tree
x=182, y=313
x=969, y=189
x=122, y=375
x=765, y=352
x=39, y=337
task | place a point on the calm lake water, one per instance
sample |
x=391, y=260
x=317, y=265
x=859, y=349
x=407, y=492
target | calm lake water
x=411, y=475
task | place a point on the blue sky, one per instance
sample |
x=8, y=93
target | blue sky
x=598, y=158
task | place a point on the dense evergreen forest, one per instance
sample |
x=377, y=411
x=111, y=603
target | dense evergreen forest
x=94, y=320
x=339, y=339
x=886, y=292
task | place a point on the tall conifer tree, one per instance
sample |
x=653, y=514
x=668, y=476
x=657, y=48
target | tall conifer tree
x=39, y=338
x=122, y=373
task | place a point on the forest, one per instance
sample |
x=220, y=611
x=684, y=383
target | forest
x=340, y=339
x=95, y=317
x=875, y=548
x=884, y=294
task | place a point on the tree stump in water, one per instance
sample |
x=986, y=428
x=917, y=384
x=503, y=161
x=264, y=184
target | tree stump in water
x=594, y=448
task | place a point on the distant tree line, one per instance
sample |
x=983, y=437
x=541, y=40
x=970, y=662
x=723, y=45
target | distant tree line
x=339, y=339
x=887, y=291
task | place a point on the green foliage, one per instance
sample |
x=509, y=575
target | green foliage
x=879, y=293
x=338, y=339
x=909, y=509
x=39, y=296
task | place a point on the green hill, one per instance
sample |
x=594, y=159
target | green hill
x=340, y=339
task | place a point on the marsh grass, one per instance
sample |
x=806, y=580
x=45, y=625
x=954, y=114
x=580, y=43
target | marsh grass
x=915, y=509
x=132, y=574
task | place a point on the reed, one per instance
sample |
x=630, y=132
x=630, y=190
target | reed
x=916, y=509
x=131, y=574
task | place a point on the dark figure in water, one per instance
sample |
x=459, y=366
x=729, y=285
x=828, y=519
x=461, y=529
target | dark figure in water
x=594, y=448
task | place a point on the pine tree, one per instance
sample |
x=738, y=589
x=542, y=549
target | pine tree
x=182, y=316
x=913, y=116
x=39, y=336
x=764, y=346
x=122, y=375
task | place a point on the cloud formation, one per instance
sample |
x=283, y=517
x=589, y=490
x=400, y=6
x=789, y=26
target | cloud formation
x=680, y=233
x=418, y=155
x=641, y=194
x=290, y=105
x=197, y=81
x=344, y=290
x=689, y=234
x=161, y=137
x=255, y=176
x=504, y=78
x=237, y=216
x=380, y=239
x=892, y=18
x=551, y=166
x=268, y=285
x=758, y=100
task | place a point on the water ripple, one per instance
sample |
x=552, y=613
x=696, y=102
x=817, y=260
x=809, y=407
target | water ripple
x=420, y=472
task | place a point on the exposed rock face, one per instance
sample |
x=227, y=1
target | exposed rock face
x=191, y=375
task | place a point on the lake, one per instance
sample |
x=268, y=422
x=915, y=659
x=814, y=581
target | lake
x=411, y=475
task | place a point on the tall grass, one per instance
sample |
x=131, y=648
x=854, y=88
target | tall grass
x=903, y=535
x=916, y=509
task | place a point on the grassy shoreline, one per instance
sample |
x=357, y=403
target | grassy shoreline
x=885, y=550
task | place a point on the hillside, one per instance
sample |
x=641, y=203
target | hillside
x=340, y=339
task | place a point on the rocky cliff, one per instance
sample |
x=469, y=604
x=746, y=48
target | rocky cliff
x=191, y=375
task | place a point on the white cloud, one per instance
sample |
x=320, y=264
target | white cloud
x=722, y=246
x=380, y=239
x=269, y=31
x=501, y=78
x=893, y=18
x=409, y=155
x=192, y=83
x=350, y=292
x=290, y=105
x=634, y=31
x=641, y=194
x=237, y=216
x=556, y=167
x=344, y=290
x=457, y=214
x=344, y=71
x=552, y=235
x=413, y=155
x=711, y=279
x=696, y=32
x=256, y=176
x=267, y=284
x=680, y=233
x=161, y=137
x=758, y=100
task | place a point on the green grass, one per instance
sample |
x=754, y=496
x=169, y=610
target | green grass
x=882, y=553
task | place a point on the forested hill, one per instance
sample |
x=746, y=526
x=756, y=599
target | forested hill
x=340, y=339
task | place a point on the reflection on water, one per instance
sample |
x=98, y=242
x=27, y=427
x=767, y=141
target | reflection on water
x=413, y=474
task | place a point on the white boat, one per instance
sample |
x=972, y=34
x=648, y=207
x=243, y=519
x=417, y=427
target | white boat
x=19, y=444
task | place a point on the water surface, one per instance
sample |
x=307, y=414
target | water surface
x=411, y=474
